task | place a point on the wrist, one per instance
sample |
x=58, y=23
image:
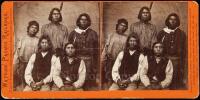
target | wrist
x=118, y=81
x=42, y=82
x=61, y=87
x=129, y=81
x=161, y=85
x=32, y=84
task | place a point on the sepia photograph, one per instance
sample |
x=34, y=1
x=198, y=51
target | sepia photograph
x=56, y=46
x=145, y=45
x=99, y=49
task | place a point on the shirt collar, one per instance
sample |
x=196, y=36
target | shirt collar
x=78, y=30
x=44, y=53
x=167, y=30
x=132, y=52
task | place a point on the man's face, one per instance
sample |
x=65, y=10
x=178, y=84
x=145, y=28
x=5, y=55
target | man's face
x=55, y=16
x=70, y=50
x=121, y=28
x=83, y=22
x=132, y=43
x=44, y=45
x=32, y=30
x=172, y=22
x=158, y=49
x=145, y=15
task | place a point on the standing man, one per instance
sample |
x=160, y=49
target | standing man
x=157, y=71
x=57, y=32
x=126, y=69
x=144, y=30
x=86, y=41
x=38, y=73
x=114, y=44
x=25, y=48
x=70, y=74
x=174, y=40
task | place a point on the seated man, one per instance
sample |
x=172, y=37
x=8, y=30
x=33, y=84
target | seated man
x=115, y=43
x=25, y=48
x=38, y=73
x=126, y=69
x=157, y=70
x=70, y=72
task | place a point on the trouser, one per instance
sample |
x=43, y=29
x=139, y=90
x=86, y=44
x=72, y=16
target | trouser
x=91, y=72
x=19, y=81
x=45, y=87
x=178, y=73
x=131, y=86
x=106, y=75
x=55, y=88
x=142, y=87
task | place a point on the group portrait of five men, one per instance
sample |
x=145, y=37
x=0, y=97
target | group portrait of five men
x=62, y=61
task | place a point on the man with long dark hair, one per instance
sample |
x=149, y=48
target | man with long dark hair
x=157, y=70
x=38, y=73
x=174, y=40
x=86, y=41
x=70, y=73
x=126, y=69
x=144, y=30
x=56, y=31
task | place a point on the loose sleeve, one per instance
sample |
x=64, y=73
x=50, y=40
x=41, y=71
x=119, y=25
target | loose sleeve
x=16, y=54
x=169, y=73
x=115, y=69
x=154, y=36
x=28, y=71
x=103, y=55
x=20, y=47
x=56, y=74
x=43, y=30
x=65, y=37
x=81, y=75
x=143, y=73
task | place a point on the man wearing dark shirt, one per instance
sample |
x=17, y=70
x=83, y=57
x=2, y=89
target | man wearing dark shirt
x=174, y=40
x=86, y=41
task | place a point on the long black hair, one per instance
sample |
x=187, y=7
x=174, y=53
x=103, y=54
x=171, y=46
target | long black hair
x=141, y=10
x=126, y=49
x=177, y=19
x=66, y=47
x=51, y=13
x=79, y=18
x=46, y=37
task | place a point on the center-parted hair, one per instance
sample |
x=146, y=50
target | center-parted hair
x=154, y=46
x=67, y=45
x=177, y=19
x=122, y=20
x=79, y=18
x=33, y=23
x=141, y=10
x=50, y=45
x=127, y=42
x=51, y=13
x=157, y=43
